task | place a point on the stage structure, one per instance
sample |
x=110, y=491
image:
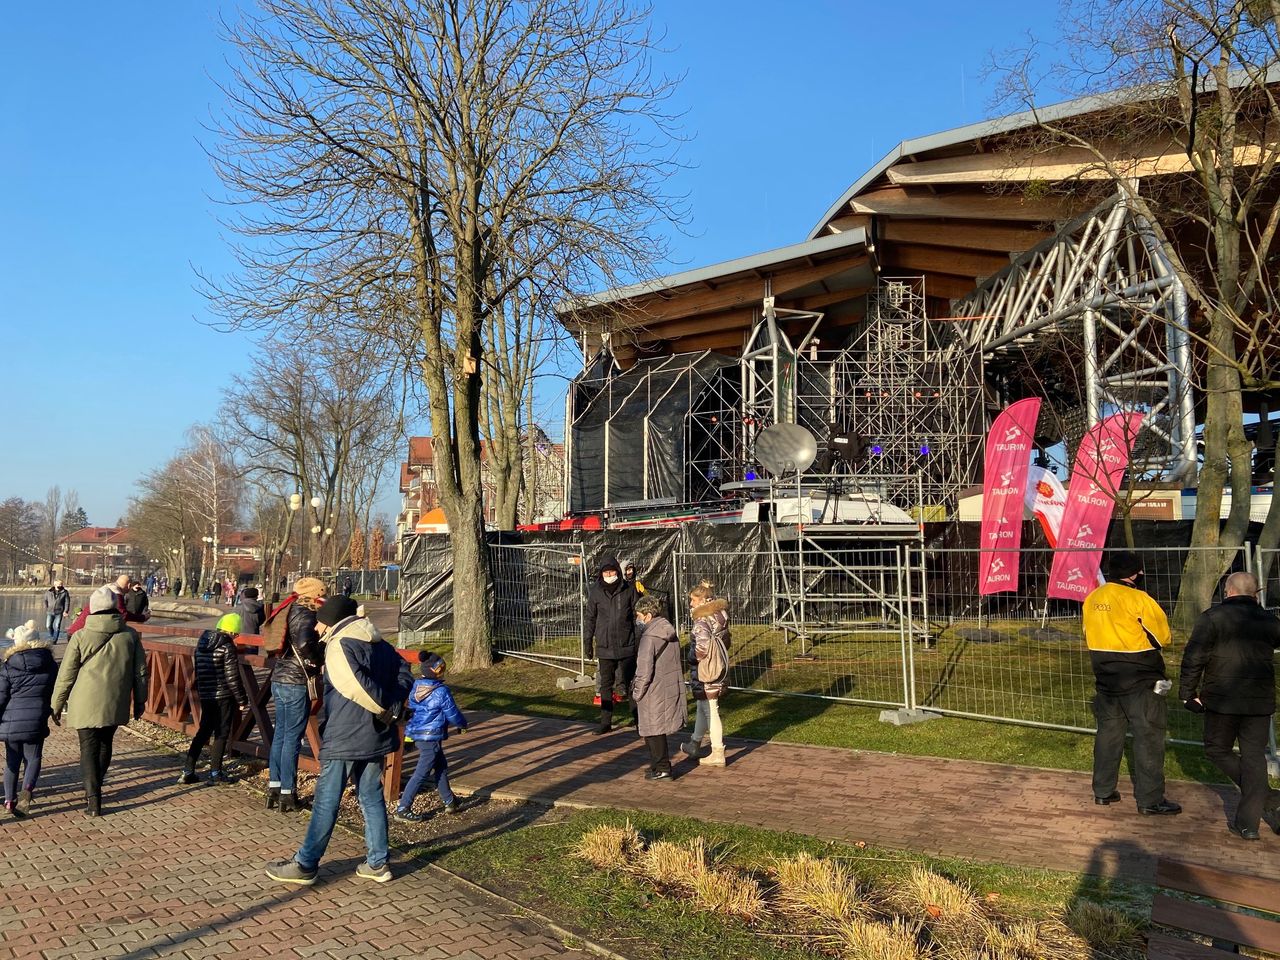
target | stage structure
x=1102, y=300
x=897, y=411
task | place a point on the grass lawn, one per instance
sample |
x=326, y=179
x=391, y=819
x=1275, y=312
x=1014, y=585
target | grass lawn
x=533, y=864
x=515, y=686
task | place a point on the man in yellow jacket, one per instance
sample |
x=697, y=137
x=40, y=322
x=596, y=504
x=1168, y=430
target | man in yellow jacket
x=1125, y=630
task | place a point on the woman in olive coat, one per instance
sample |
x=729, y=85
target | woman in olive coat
x=103, y=674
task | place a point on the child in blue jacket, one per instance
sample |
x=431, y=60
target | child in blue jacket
x=431, y=710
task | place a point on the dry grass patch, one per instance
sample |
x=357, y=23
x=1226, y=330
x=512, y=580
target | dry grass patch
x=610, y=846
x=872, y=940
x=928, y=894
x=818, y=890
x=731, y=893
x=675, y=864
x=1103, y=928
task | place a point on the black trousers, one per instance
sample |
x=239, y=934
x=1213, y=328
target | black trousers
x=1248, y=771
x=615, y=674
x=216, y=718
x=95, y=757
x=659, y=755
x=1144, y=714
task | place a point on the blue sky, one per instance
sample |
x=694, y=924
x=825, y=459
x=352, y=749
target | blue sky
x=109, y=200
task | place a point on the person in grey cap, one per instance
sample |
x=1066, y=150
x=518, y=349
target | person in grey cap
x=103, y=673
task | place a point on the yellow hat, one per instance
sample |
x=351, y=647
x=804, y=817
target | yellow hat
x=311, y=588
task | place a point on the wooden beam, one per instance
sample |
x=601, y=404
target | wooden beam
x=1065, y=163
x=944, y=260
x=966, y=234
x=735, y=293
x=714, y=341
x=973, y=205
x=850, y=222
x=947, y=286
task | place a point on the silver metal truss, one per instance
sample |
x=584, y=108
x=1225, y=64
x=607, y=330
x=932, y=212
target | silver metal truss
x=1105, y=284
x=768, y=368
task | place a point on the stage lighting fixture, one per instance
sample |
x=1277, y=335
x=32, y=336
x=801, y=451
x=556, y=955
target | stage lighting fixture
x=749, y=475
x=876, y=449
x=924, y=449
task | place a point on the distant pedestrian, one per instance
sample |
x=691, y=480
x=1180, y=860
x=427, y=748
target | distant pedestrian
x=609, y=636
x=1229, y=675
x=431, y=710
x=177, y=586
x=222, y=697
x=710, y=645
x=57, y=604
x=658, y=691
x=250, y=610
x=346, y=586
x=137, y=605
x=103, y=673
x=1125, y=630
x=296, y=665
x=629, y=575
x=367, y=682
x=27, y=673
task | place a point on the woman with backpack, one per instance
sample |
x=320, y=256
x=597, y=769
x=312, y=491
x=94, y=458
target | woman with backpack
x=708, y=672
x=298, y=660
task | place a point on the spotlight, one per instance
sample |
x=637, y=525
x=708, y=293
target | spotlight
x=876, y=449
x=924, y=449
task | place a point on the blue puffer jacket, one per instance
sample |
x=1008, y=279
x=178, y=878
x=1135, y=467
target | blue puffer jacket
x=431, y=710
x=26, y=689
x=364, y=676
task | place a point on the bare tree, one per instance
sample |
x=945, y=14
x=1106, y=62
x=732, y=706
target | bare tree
x=1186, y=131
x=410, y=163
x=50, y=524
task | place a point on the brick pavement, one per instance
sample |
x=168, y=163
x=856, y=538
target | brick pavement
x=178, y=872
x=985, y=811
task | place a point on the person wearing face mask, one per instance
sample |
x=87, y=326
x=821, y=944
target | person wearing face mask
x=1125, y=630
x=609, y=636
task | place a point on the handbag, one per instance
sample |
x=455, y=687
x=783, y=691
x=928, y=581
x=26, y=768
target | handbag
x=314, y=686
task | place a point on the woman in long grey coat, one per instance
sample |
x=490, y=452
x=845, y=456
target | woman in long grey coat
x=658, y=690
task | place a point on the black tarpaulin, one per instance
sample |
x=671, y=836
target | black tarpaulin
x=628, y=435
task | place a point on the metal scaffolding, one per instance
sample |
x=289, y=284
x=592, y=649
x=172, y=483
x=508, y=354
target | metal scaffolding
x=1103, y=292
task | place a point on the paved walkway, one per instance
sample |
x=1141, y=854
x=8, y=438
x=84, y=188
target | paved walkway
x=178, y=872
x=1007, y=814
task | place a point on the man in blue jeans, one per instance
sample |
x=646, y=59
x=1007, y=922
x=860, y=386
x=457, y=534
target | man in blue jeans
x=57, y=604
x=366, y=683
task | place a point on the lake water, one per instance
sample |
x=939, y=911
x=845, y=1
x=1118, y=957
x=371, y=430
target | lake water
x=17, y=608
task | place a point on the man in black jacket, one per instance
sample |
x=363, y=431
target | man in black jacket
x=366, y=684
x=609, y=635
x=222, y=697
x=57, y=604
x=1228, y=672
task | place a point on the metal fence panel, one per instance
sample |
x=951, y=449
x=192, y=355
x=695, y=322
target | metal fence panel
x=850, y=642
x=370, y=582
x=539, y=592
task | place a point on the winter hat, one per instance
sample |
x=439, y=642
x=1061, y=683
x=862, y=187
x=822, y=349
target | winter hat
x=1123, y=565
x=433, y=666
x=310, y=588
x=25, y=633
x=230, y=623
x=103, y=600
x=335, y=609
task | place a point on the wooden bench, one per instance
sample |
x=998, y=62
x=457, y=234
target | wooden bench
x=1228, y=927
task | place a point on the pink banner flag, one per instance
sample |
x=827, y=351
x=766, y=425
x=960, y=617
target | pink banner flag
x=1004, y=482
x=1091, y=498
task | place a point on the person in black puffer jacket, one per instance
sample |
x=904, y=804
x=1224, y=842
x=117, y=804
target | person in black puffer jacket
x=1229, y=674
x=222, y=697
x=300, y=658
x=27, y=675
x=609, y=635
x=250, y=610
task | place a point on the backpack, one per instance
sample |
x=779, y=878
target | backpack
x=713, y=667
x=276, y=628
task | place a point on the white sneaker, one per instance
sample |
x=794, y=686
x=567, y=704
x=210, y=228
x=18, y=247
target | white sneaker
x=377, y=874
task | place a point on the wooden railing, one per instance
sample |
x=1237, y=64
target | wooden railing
x=174, y=702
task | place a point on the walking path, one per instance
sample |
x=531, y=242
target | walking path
x=178, y=872
x=984, y=811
